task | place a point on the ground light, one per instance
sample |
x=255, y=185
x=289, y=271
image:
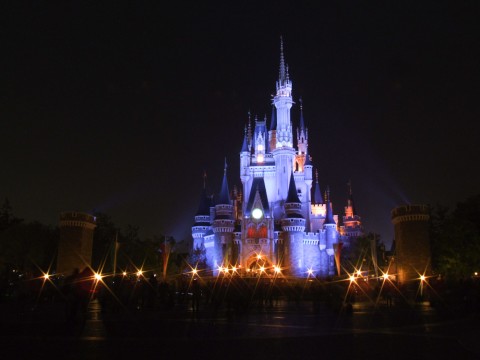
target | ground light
x=385, y=276
x=46, y=276
x=97, y=276
x=352, y=278
x=422, y=280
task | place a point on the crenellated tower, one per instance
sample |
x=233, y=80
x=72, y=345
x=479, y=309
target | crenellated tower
x=223, y=224
x=293, y=226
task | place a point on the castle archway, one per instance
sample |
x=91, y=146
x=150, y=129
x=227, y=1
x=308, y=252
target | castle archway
x=256, y=264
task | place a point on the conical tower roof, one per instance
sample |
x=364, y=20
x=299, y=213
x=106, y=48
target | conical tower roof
x=292, y=192
x=224, y=196
x=317, y=195
x=329, y=216
x=205, y=201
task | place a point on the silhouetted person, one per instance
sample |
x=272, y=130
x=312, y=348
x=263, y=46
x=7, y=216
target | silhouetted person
x=72, y=301
x=196, y=295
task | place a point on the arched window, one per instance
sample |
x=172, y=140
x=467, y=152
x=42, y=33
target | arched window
x=251, y=232
x=262, y=231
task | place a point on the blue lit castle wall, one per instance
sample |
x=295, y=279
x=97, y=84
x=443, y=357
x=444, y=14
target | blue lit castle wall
x=280, y=220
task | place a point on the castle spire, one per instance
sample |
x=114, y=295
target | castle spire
x=224, y=197
x=302, y=122
x=329, y=216
x=249, y=132
x=292, y=191
x=205, y=201
x=282, y=72
x=317, y=196
x=244, y=145
x=350, y=202
x=273, y=119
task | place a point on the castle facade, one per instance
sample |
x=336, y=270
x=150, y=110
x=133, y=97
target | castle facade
x=279, y=222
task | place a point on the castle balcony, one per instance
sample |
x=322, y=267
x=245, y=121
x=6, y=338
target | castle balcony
x=202, y=218
x=222, y=229
x=293, y=225
x=257, y=241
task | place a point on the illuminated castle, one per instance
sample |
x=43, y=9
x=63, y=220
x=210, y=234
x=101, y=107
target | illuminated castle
x=276, y=223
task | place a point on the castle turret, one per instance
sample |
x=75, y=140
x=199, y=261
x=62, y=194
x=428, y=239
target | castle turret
x=76, y=242
x=272, y=134
x=302, y=141
x=331, y=234
x=293, y=226
x=244, y=159
x=260, y=141
x=412, y=242
x=202, y=218
x=223, y=224
x=352, y=224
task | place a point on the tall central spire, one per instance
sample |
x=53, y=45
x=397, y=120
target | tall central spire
x=283, y=102
x=282, y=72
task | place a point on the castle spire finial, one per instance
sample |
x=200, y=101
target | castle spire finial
x=302, y=122
x=204, y=179
x=282, y=74
x=225, y=167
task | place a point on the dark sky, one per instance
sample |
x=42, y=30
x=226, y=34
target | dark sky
x=119, y=106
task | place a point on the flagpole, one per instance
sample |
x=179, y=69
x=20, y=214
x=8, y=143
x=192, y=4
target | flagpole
x=115, y=255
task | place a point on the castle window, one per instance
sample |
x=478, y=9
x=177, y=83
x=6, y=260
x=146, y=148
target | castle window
x=262, y=231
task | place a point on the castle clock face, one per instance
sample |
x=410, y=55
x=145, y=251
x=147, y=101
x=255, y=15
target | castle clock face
x=257, y=213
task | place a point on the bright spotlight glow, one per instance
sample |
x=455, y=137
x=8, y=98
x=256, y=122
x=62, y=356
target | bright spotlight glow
x=234, y=268
x=422, y=277
x=220, y=269
x=124, y=273
x=359, y=272
x=46, y=276
x=262, y=269
x=259, y=257
x=385, y=276
x=194, y=271
x=352, y=278
x=97, y=276
x=139, y=273
x=310, y=272
x=277, y=269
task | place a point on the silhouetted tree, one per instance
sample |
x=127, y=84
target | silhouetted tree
x=455, y=239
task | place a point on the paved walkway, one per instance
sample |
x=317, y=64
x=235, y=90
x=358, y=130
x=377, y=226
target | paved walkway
x=285, y=331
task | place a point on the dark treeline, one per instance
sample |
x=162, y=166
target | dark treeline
x=28, y=249
x=455, y=240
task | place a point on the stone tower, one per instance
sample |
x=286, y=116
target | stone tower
x=76, y=241
x=412, y=243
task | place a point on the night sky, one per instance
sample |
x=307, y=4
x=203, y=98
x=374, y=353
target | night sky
x=118, y=107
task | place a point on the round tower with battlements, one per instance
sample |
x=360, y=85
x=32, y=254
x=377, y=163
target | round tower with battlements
x=412, y=242
x=76, y=241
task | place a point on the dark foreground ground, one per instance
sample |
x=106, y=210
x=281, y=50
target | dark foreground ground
x=288, y=330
